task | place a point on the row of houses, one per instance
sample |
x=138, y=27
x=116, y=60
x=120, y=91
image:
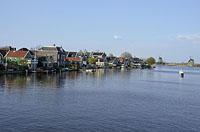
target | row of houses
x=51, y=57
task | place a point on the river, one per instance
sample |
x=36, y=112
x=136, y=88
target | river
x=105, y=101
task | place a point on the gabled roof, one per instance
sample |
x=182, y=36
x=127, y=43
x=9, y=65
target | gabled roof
x=52, y=48
x=17, y=54
x=49, y=48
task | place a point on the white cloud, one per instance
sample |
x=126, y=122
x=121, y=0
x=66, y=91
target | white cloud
x=117, y=37
x=192, y=38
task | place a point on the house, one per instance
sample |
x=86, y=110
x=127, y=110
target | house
x=113, y=61
x=20, y=58
x=2, y=54
x=136, y=62
x=125, y=62
x=18, y=55
x=73, y=60
x=7, y=48
x=3, y=51
x=98, y=55
x=191, y=62
x=50, y=56
x=160, y=60
x=33, y=62
x=72, y=57
x=101, y=58
x=101, y=63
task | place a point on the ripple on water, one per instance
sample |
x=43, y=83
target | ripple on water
x=135, y=100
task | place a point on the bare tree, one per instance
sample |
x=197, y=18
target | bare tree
x=126, y=55
x=110, y=55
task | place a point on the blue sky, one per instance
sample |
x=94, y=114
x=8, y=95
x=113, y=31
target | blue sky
x=167, y=28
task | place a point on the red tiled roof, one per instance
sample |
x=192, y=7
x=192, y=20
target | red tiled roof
x=72, y=59
x=17, y=54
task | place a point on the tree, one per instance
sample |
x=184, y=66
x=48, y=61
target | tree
x=92, y=60
x=80, y=53
x=126, y=55
x=150, y=61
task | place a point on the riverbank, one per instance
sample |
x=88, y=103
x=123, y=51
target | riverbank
x=60, y=70
x=181, y=64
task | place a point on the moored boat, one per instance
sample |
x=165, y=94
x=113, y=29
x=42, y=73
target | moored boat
x=90, y=70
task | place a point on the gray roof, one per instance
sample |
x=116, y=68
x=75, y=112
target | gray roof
x=3, y=52
x=52, y=48
x=98, y=53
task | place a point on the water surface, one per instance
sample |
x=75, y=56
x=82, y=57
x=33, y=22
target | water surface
x=112, y=100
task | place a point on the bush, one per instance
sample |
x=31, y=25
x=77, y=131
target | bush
x=150, y=61
x=92, y=60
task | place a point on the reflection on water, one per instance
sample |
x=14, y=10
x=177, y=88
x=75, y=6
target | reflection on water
x=107, y=100
x=47, y=80
x=55, y=80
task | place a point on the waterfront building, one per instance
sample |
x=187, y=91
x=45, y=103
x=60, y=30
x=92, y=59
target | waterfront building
x=17, y=56
x=101, y=63
x=7, y=48
x=2, y=54
x=160, y=60
x=73, y=60
x=98, y=55
x=50, y=56
x=21, y=57
x=191, y=62
x=113, y=61
x=3, y=51
x=101, y=58
x=136, y=62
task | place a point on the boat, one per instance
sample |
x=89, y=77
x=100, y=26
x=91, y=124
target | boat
x=90, y=70
x=181, y=73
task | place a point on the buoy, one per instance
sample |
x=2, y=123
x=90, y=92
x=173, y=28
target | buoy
x=181, y=73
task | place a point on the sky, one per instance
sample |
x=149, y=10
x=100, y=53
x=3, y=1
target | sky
x=166, y=28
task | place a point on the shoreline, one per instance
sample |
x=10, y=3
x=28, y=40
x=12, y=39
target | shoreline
x=88, y=70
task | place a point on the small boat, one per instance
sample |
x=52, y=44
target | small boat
x=90, y=70
x=181, y=73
